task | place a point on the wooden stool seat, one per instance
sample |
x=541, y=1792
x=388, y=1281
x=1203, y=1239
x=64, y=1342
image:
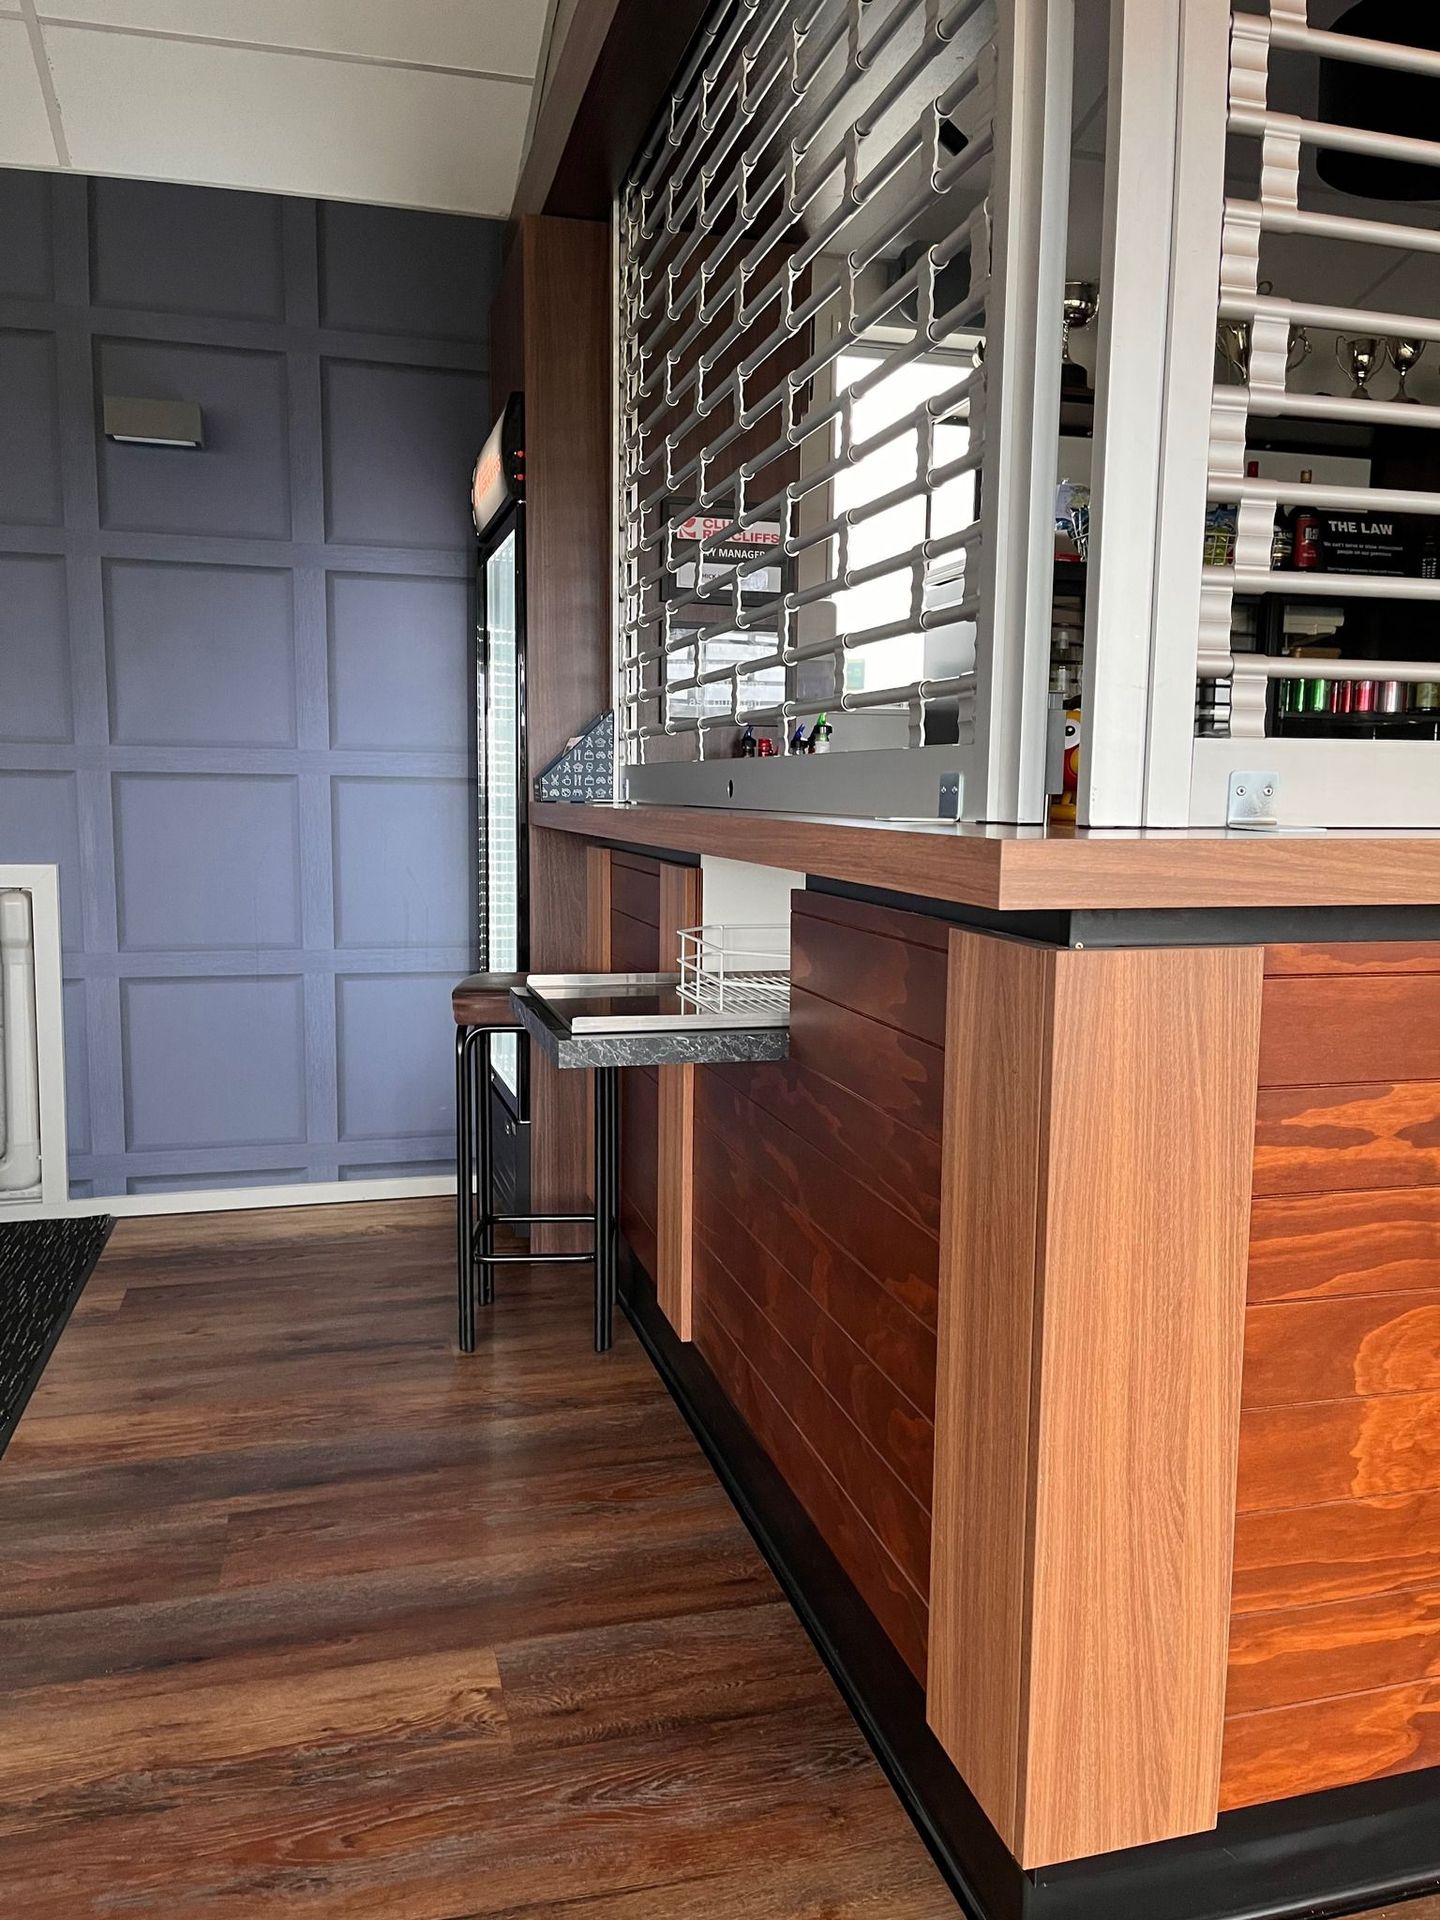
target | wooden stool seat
x=483, y=1000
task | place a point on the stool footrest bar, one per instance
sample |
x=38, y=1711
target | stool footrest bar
x=540, y=1219
x=533, y=1259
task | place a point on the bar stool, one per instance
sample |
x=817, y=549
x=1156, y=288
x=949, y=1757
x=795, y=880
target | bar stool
x=483, y=1006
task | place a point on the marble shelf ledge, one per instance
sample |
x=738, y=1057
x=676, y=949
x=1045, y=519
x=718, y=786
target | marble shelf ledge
x=672, y=1047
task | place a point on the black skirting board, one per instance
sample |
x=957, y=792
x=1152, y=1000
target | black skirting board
x=1340, y=1852
x=44, y=1265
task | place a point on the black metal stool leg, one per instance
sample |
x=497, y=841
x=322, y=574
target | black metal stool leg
x=464, y=1190
x=607, y=1202
x=487, y=1173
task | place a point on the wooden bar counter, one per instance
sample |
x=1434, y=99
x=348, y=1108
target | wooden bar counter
x=1064, y=1315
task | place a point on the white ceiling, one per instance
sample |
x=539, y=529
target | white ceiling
x=417, y=103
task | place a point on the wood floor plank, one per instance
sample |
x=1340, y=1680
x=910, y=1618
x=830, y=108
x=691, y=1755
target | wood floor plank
x=303, y=1614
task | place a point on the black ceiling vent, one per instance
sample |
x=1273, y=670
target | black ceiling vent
x=1383, y=101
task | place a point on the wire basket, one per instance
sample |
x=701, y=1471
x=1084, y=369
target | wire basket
x=734, y=969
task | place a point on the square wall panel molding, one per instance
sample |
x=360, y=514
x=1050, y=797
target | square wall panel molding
x=236, y=685
x=241, y=487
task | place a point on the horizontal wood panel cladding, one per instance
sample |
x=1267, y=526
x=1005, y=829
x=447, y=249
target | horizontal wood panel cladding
x=1330, y=1743
x=1354, y=957
x=1328, y=1139
x=1324, y=1349
x=897, y=1162
x=1328, y=1029
x=901, y=1346
x=817, y=1194
x=902, y=1255
x=1335, y=1629
x=1348, y=1646
x=1317, y=1245
x=898, y=981
x=896, y=1605
x=1305, y=1556
x=1303, y=1456
x=901, y=1433
x=899, y=1521
x=635, y=889
x=891, y=1070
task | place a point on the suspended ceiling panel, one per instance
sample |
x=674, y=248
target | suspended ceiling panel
x=420, y=104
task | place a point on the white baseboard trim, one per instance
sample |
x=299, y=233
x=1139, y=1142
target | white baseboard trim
x=330, y=1193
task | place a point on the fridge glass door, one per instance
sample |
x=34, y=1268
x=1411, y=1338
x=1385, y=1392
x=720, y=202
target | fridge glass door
x=502, y=786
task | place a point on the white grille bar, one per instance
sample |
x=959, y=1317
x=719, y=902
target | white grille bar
x=810, y=256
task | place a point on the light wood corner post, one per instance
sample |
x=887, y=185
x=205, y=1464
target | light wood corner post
x=1099, y=1136
x=675, y=1167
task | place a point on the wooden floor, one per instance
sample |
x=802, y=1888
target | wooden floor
x=301, y=1613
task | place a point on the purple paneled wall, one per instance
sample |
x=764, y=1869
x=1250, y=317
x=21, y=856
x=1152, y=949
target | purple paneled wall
x=235, y=684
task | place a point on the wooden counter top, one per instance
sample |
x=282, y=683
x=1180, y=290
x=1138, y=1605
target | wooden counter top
x=1034, y=869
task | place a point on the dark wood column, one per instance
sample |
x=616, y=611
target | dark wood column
x=550, y=340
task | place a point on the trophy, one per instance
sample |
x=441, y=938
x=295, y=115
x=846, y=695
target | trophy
x=1082, y=303
x=1359, y=356
x=1404, y=356
x=1232, y=338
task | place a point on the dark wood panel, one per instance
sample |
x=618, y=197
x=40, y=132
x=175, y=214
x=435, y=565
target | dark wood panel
x=1351, y=1646
x=1294, y=1456
x=1304, y=1556
x=889, y=1509
x=1324, y=1030
x=1336, y=1244
x=1326, y=1139
x=634, y=945
x=563, y=306
x=891, y=1070
x=886, y=974
x=567, y=478
x=644, y=863
x=1326, y=1349
x=1330, y=1743
x=675, y=1176
x=901, y=1435
x=636, y=891
x=826, y=1202
x=889, y=1595
x=560, y=1103
x=865, y=916
x=874, y=1148
x=639, y=1157
x=899, y=1344
x=1355, y=956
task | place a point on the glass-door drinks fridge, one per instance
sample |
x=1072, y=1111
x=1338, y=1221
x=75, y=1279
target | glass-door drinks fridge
x=498, y=497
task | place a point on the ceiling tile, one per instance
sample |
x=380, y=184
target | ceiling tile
x=25, y=138
x=287, y=123
x=480, y=36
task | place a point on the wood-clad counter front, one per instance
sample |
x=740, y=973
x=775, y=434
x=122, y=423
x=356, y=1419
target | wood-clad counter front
x=1334, y=1666
x=1085, y=1298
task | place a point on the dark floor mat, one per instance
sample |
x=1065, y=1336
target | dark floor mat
x=44, y=1265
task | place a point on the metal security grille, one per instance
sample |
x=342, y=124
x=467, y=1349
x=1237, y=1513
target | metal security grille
x=834, y=258
x=1270, y=329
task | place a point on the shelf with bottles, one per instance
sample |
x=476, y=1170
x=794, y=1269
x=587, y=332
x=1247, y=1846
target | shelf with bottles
x=1325, y=707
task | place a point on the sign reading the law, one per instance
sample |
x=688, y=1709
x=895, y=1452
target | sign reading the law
x=1364, y=543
